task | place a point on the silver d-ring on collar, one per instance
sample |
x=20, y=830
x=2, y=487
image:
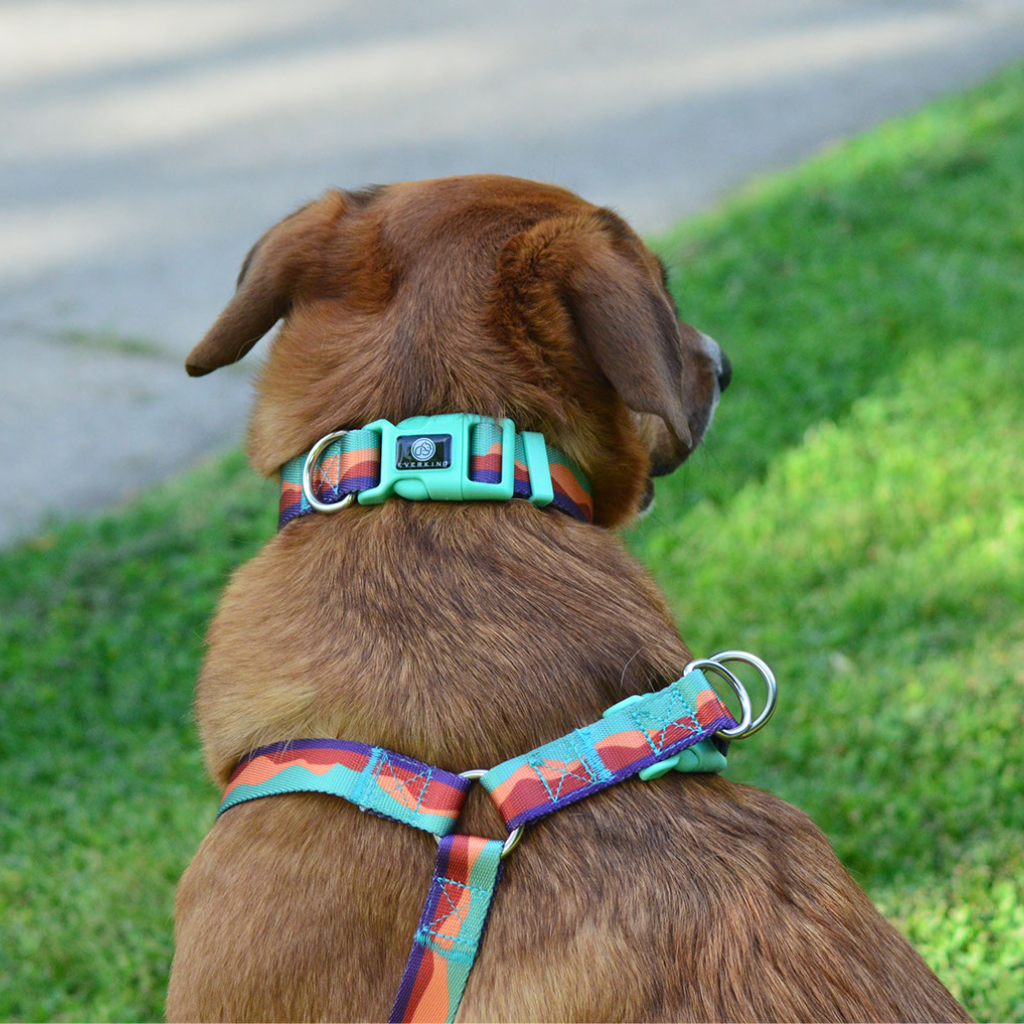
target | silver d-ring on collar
x=748, y=725
x=710, y=665
x=512, y=841
x=307, y=476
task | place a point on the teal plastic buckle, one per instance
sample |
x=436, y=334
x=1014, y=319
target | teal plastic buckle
x=427, y=458
x=701, y=757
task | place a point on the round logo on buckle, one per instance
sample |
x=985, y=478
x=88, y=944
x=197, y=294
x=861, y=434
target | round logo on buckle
x=422, y=449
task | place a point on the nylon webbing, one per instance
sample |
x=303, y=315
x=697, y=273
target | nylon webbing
x=348, y=464
x=373, y=778
x=450, y=931
x=572, y=488
x=596, y=756
x=468, y=868
x=351, y=464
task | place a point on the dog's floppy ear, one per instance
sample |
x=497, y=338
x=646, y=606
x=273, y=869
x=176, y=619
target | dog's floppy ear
x=266, y=284
x=617, y=305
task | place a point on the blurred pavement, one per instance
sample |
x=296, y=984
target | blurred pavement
x=145, y=146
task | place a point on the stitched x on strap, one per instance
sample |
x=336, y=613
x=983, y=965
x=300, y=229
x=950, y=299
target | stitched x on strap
x=450, y=931
x=599, y=755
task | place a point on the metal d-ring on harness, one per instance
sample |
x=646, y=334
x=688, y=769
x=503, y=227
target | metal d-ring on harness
x=514, y=836
x=684, y=727
x=747, y=725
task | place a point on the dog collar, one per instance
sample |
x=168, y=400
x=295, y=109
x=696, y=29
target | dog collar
x=454, y=457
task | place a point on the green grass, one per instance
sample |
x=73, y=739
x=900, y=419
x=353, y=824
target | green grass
x=856, y=517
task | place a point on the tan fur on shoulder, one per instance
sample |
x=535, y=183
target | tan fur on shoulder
x=465, y=634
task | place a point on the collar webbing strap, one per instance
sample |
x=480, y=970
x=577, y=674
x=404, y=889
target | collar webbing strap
x=450, y=931
x=346, y=466
x=620, y=745
x=356, y=464
x=374, y=779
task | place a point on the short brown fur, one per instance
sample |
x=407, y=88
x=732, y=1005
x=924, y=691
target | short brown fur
x=692, y=899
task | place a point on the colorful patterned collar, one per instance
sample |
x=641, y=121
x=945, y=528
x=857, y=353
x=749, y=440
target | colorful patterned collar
x=454, y=457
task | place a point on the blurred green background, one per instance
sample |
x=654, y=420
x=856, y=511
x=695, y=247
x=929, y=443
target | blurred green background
x=856, y=517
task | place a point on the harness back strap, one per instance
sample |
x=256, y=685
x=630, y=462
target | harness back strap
x=450, y=930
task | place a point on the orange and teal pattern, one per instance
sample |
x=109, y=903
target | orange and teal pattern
x=468, y=868
x=351, y=464
x=596, y=756
x=348, y=464
x=373, y=778
x=571, y=486
x=450, y=931
x=485, y=453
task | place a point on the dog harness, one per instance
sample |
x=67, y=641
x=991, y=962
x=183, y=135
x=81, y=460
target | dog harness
x=684, y=727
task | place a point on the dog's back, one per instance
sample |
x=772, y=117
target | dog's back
x=463, y=635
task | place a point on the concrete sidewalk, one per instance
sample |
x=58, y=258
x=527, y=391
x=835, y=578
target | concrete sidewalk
x=146, y=146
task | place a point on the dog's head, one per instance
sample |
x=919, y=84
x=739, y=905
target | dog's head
x=479, y=294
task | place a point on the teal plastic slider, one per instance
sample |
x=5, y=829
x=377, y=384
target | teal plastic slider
x=701, y=757
x=542, y=490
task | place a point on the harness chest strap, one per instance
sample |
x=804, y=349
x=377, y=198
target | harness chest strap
x=634, y=736
x=374, y=779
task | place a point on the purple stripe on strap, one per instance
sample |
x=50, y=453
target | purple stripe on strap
x=412, y=966
x=401, y=760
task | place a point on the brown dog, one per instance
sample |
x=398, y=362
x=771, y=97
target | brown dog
x=466, y=634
